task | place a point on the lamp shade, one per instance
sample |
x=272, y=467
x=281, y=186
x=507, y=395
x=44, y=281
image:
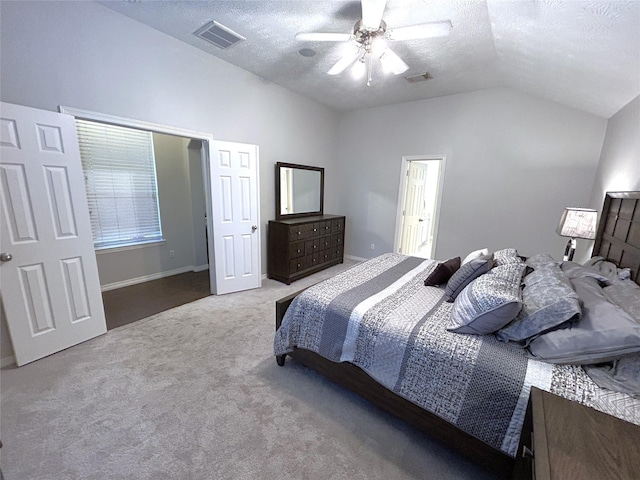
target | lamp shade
x=578, y=223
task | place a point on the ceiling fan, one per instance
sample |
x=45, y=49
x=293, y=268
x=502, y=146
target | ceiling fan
x=369, y=41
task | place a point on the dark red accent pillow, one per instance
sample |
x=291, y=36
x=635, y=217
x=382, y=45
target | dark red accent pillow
x=443, y=272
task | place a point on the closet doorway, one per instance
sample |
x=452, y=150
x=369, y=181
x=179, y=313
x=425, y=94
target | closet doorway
x=419, y=196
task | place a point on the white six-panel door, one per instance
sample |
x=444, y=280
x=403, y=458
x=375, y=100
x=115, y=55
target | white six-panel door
x=49, y=277
x=236, y=216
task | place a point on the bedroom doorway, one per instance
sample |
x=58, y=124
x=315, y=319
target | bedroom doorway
x=419, y=205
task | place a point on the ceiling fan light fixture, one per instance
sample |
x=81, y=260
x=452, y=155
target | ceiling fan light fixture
x=378, y=46
x=359, y=68
x=350, y=56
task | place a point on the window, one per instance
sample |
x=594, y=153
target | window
x=120, y=179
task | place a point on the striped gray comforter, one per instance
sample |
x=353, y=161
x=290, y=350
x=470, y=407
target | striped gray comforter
x=379, y=316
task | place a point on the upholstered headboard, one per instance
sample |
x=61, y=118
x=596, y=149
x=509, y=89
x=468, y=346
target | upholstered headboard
x=618, y=237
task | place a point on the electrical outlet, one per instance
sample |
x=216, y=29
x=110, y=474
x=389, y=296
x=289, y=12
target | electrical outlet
x=172, y=253
x=373, y=246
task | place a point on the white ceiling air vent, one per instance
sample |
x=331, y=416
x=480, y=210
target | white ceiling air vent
x=218, y=34
x=421, y=77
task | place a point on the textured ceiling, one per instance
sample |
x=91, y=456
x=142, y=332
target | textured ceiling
x=584, y=54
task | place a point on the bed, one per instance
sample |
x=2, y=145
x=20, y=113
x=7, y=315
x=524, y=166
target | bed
x=379, y=331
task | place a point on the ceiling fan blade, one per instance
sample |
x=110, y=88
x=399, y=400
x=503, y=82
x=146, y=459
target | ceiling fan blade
x=423, y=30
x=323, y=37
x=348, y=59
x=393, y=63
x=372, y=11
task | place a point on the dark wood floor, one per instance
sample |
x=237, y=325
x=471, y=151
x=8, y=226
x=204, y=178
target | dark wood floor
x=128, y=304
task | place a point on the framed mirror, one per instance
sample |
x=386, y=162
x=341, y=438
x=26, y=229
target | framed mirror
x=299, y=190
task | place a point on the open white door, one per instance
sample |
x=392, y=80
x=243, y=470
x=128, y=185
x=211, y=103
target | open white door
x=416, y=217
x=235, y=217
x=49, y=276
x=419, y=197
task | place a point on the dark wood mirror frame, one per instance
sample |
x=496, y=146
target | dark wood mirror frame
x=281, y=216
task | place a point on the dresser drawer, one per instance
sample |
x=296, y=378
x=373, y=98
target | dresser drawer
x=312, y=246
x=296, y=249
x=337, y=225
x=300, y=232
x=296, y=265
x=325, y=242
x=325, y=227
x=325, y=256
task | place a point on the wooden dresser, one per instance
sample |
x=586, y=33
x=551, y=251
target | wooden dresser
x=298, y=247
x=565, y=440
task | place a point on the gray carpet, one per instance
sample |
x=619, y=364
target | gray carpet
x=195, y=393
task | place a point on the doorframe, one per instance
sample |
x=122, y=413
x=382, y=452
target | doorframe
x=404, y=171
x=206, y=138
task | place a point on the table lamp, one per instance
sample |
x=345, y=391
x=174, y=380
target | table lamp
x=576, y=223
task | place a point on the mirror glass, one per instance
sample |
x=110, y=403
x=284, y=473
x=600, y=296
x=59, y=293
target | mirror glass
x=299, y=190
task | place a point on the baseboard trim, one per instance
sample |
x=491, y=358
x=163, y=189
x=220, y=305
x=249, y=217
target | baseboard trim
x=200, y=268
x=147, y=278
x=357, y=259
x=6, y=361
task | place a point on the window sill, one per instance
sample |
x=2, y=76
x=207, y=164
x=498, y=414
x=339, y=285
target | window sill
x=136, y=246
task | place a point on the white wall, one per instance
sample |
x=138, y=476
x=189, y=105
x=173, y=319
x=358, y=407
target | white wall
x=619, y=168
x=513, y=162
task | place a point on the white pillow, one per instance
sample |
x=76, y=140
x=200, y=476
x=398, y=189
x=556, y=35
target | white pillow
x=475, y=254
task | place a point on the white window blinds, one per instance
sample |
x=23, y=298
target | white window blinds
x=120, y=179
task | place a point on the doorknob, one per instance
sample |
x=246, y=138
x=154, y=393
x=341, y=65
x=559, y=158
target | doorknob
x=254, y=228
x=5, y=257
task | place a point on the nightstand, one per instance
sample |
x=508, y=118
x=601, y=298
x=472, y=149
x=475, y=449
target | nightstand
x=565, y=440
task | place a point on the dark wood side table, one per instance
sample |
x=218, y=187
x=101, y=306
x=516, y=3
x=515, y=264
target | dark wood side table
x=565, y=440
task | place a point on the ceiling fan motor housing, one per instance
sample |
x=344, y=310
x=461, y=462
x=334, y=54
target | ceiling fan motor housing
x=366, y=37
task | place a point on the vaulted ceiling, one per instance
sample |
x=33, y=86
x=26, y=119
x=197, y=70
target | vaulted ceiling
x=581, y=53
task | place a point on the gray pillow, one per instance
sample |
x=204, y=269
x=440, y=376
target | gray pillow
x=466, y=274
x=540, y=259
x=548, y=301
x=604, y=333
x=506, y=256
x=489, y=302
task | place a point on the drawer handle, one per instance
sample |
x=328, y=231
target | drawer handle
x=315, y=246
x=315, y=229
x=526, y=452
x=298, y=265
x=299, y=233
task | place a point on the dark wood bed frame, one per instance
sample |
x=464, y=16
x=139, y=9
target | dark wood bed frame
x=618, y=240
